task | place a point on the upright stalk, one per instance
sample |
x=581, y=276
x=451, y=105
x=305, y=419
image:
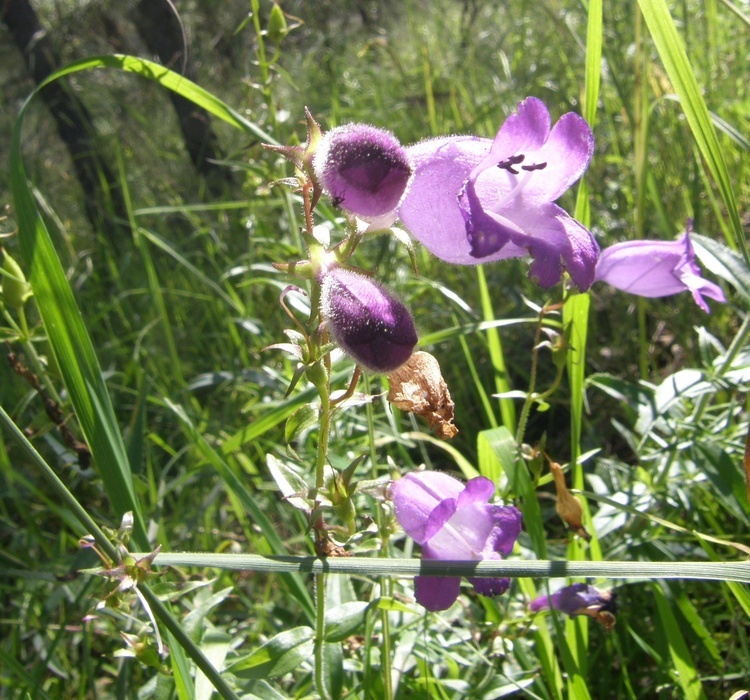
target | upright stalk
x=386, y=582
x=640, y=137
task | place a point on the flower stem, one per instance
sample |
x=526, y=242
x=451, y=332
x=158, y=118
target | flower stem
x=531, y=396
x=324, y=422
x=386, y=583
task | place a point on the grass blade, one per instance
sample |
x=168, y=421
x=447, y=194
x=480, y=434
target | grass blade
x=672, y=53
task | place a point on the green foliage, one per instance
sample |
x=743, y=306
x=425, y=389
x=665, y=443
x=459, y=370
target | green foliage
x=155, y=353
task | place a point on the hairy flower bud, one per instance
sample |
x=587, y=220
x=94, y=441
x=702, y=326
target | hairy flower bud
x=366, y=321
x=365, y=170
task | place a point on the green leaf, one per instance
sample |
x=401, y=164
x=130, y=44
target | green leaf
x=496, y=454
x=393, y=605
x=344, y=620
x=215, y=645
x=685, y=671
x=576, y=321
x=502, y=444
x=724, y=263
x=293, y=487
x=727, y=478
x=237, y=487
x=333, y=670
x=280, y=655
x=676, y=63
x=72, y=347
x=502, y=383
x=302, y=419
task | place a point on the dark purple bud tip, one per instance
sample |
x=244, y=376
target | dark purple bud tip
x=366, y=321
x=364, y=170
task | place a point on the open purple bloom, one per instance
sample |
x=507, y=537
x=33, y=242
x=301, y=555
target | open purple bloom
x=371, y=325
x=475, y=200
x=656, y=269
x=365, y=170
x=454, y=521
x=580, y=599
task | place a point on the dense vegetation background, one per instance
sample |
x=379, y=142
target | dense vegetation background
x=170, y=254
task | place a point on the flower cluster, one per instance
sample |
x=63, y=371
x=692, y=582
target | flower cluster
x=468, y=200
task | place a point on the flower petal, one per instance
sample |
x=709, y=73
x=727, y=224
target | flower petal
x=476, y=531
x=440, y=515
x=523, y=131
x=652, y=269
x=477, y=490
x=436, y=593
x=490, y=586
x=555, y=241
x=417, y=494
x=575, y=599
x=430, y=209
x=566, y=155
x=690, y=275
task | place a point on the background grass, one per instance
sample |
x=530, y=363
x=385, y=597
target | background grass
x=179, y=316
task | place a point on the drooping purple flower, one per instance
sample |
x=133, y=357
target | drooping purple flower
x=454, y=521
x=649, y=268
x=365, y=170
x=580, y=599
x=474, y=200
x=370, y=324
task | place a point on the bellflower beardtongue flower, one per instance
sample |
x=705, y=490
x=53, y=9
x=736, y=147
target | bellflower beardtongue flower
x=656, y=269
x=474, y=200
x=580, y=599
x=454, y=521
x=365, y=170
x=368, y=323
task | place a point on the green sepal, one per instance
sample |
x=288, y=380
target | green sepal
x=16, y=291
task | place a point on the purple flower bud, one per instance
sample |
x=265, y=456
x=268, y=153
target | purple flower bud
x=366, y=321
x=365, y=170
x=454, y=521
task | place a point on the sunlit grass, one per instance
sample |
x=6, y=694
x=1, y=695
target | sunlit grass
x=174, y=324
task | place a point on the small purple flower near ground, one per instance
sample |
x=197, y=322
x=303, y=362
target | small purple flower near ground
x=474, y=200
x=656, y=269
x=580, y=599
x=365, y=170
x=369, y=324
x=454, y=521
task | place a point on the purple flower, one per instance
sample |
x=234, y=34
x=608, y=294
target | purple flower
x=580, y=599
x=656, y=269
x=453, y=521
x=364, y=170
x=366, y=321
x=473, y=200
